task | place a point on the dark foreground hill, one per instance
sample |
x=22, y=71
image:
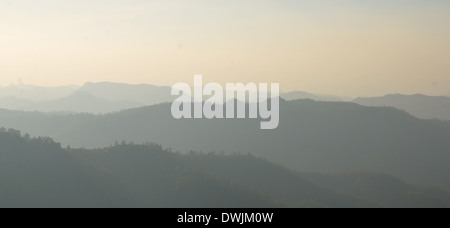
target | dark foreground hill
x=39, y=173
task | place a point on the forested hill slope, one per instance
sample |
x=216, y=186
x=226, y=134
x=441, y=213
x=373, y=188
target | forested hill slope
x=39, y=173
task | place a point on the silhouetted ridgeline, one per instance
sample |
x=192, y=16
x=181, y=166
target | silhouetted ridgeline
x=312, y=136
x=104, y=97
x=78, y=102
x=39, y=173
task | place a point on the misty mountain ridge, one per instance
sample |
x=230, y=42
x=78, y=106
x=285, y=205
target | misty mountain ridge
x=77, y=102
x=105, y=97
x=113, y=97
x=419, y=105
x=142, y=93
x=96, y=98
x=312, y=136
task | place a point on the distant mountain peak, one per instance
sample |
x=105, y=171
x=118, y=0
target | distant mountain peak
x=142, y=93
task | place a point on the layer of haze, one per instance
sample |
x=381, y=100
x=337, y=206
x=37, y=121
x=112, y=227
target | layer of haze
x=342, y=47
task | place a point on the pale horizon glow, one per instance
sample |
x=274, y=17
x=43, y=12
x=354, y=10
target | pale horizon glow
x=339, y=47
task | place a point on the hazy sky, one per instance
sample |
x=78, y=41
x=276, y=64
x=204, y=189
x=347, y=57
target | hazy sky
x=343, y=47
